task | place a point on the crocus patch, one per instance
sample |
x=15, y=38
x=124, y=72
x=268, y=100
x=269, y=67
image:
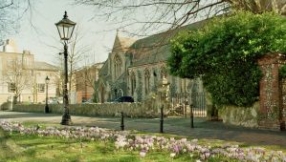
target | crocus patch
x=147, y=143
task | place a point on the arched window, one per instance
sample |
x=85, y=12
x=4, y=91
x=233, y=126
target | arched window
x=147, y=81
x=102, y=93
x=117, y=66
x=155, y=76
x=163, y=73
x=133, y=83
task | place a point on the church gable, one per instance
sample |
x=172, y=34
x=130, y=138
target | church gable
x=121, y=44
x=118, y=57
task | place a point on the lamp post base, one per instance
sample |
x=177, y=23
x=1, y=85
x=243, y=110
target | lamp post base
x=47, y=109
x=66, y=120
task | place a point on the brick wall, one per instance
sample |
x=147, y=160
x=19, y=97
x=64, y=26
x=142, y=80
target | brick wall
x=270, y=92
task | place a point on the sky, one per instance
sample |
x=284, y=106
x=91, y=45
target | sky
x=39, y=35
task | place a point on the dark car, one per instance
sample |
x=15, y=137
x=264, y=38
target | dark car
x=124, y=99
x=87, y=101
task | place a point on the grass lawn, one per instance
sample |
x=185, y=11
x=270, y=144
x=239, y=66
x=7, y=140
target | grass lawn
x=16, y=147
x=32, y=148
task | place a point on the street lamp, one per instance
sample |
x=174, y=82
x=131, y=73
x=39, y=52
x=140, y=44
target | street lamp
x=163, y=89
x=47, y=109
x=65, y=28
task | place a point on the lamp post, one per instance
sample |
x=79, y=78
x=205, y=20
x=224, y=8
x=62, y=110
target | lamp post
x=192, y=116
x=65, y=28
x=163, y=97
x=47, y=109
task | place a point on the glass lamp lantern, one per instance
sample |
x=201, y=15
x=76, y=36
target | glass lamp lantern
x=65, y=28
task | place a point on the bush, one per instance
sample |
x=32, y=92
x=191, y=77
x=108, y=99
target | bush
x=225, y=52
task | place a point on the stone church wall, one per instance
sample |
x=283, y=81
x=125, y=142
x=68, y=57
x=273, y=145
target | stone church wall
x=146, y=110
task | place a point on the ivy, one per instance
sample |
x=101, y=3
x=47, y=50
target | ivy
x=225, y=53
x=282, y=72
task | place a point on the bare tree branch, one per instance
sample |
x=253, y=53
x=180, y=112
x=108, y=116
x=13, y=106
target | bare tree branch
x=17, y=74
x=11, y=12
x=168, y=13
x=171, y=14
x=5, y=4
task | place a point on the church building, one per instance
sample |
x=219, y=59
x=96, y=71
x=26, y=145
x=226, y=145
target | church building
x=136, y=68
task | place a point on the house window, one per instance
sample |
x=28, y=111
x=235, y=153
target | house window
x=147, y=81
x=10, y=61
x=11, y=87
x=41, y=88
x=117, y=66
x=133, y=83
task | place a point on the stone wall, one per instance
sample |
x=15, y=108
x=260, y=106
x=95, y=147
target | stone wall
x=268, y=112
x=107, y=109
x=6, y=106
x=240, y=116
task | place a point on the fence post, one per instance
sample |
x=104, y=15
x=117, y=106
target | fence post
x=192, y=116
x=161, y=119
x=122, y=121
x=185, y=108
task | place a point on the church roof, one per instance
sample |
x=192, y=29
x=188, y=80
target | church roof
x=156, y=48
x=103, y=72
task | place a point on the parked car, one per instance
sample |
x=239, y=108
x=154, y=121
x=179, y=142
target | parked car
x=124, y=99
x=54, y=100
x=87, y=101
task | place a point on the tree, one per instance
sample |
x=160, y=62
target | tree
x=76, y=52
x=170, y=14
x=87, y=76
x=225, y=52
x=11, y=11
x=259, y=6
x=17, y=76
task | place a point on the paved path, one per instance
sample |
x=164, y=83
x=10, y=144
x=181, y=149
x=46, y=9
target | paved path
x=178, y=126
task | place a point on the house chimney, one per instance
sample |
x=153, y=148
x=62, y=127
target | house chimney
x=10, y=46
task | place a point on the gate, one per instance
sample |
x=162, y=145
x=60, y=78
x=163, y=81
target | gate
x=198, y=98
x=282, y=112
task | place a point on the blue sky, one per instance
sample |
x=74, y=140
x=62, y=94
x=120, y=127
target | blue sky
x=38, y=32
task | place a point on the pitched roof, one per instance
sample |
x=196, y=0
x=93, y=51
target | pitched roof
x=91, y=66
x=156, y=48
x=122, y=43
x=44, y=66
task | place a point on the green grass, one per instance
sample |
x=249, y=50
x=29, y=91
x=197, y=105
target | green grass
x=15, y=147
x=48, y=149
x=31, y=148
